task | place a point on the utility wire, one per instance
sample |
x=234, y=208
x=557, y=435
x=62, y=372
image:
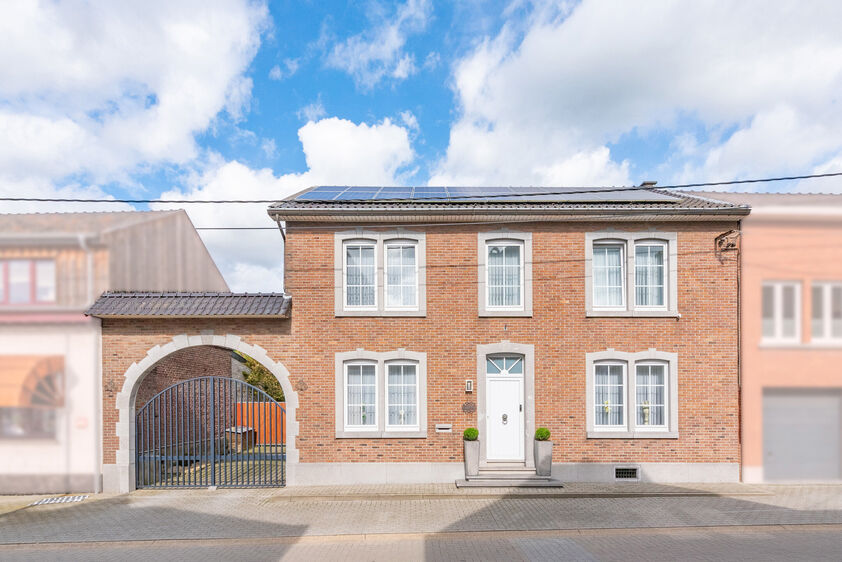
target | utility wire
x=560, y=191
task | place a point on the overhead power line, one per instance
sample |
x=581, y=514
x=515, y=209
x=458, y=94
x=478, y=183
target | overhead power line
x=560, y=191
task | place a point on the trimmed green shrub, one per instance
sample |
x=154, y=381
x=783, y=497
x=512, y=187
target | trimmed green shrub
x=542, y=434
x=470, y=434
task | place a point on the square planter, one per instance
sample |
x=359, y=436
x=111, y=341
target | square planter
x=543, y=458
x=471, y=449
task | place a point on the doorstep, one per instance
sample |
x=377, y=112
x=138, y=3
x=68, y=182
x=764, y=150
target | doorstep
x=489, y=481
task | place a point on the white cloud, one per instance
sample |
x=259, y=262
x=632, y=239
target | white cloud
x=379, y=52
x=405, y=68
x=542, y=106
x=408, y=118
x=290, y=68
x=312, y=111
x=269, y=148
x=337, y=151
x=102, y=88
x=432, y=60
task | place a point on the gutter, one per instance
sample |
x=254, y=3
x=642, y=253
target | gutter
x=427, y=213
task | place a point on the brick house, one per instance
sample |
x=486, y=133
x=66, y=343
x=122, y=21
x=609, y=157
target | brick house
x=791, y=336
x=609, y=319
x=52, y=267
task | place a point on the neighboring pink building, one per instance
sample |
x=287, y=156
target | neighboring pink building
x=791, y=337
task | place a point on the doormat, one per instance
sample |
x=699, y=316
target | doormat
x=62, y=499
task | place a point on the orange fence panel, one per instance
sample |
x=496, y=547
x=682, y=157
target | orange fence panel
x=266, y=417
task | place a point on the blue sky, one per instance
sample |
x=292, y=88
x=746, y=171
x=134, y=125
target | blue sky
x=254, y=99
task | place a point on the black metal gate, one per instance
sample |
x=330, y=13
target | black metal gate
x=210, y=431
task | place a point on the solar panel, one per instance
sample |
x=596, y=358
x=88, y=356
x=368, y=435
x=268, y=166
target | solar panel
x=468, y=194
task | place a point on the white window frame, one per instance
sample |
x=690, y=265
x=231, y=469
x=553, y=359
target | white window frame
x=629, y=242
x=664, y=426
x=380, y=360
x=504, y=237
x=347, y=424
x=625, y=367
x=504, y=244
x=630, y=429
x=826, y=312
x=379, y=238
x=778, y=338
x=665, y=246
x=623, y=274
x=357, y=243
x=405, y=427
x=400, y=243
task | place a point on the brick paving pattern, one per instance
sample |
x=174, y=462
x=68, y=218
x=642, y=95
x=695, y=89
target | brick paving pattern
x=229, y=514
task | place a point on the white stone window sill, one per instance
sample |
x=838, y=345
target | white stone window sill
x=632, y=435
x=382, y=313
x=505, y=314
x=632, y=314
x=381, y=434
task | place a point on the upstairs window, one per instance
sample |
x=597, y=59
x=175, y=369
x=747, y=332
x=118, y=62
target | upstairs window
x=781, y=310
x=504, y=273
x=631, y=274
x=505, y=276
x=380, y=273
x=608, y=276
x=826, y=321
x=649, y=274
x=401, y=275
x=24, y=282
x=360, y=275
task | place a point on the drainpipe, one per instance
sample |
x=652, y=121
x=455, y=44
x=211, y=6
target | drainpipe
x=283, y=254
x=740, y=346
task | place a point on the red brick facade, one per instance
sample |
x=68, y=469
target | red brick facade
x=185, y=364
x=704, y=337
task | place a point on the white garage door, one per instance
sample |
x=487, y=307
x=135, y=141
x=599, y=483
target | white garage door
x=801, y=434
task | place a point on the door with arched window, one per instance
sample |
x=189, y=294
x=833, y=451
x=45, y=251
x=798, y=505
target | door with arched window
x=504, y=376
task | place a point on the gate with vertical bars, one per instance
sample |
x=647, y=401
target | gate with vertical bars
x=210, y=431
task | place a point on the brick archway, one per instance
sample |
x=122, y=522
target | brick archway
x=122, y=478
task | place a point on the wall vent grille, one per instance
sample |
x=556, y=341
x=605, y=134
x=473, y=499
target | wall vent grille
x=625, y=473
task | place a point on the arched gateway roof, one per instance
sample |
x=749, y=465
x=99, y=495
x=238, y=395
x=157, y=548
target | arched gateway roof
x=127, y=304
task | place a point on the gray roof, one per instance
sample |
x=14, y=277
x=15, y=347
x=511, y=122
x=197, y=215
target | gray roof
x=117, y=304
x=660, y=202
x=776, y=199
x=72, y=224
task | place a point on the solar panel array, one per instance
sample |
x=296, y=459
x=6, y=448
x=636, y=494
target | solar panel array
x=460, y=194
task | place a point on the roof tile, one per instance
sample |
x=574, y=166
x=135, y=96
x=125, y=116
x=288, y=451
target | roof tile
x=189, y=304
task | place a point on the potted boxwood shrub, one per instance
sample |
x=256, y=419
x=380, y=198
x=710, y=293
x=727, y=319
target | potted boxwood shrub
x=470, y=440
x=543, y=452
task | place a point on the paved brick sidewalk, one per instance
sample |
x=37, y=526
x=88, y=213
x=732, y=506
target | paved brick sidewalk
x=237, y=514
x=743, y=543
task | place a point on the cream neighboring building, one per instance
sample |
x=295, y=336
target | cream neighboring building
x=52, y=267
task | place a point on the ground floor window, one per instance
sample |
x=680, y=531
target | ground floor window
x=632, y=394
x=361, y=395
x=381, y=394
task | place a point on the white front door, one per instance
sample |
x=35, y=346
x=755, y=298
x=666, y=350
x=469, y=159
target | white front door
x=504, y=408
